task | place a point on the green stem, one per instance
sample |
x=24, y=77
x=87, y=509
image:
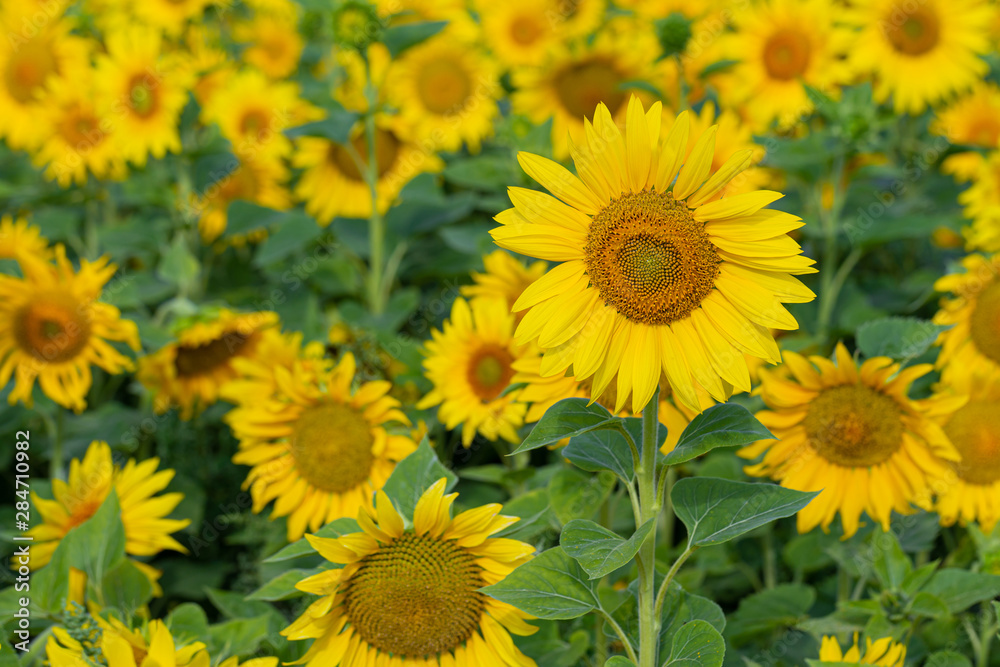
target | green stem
x=629, y=650
x=56, y=458
x=770, y=565
x=987, y=630
x=664, y=498
x=649, y=622
x=843, y=585
x=661, y=595
x=376, y=222
x=600, y=641
x=828, y=218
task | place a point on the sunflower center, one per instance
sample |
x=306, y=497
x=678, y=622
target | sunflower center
x=984, y=323
x=975, y=432
x=52, y=327
x=913, y=32
x=81, y=129
x=786, y=55
x=985, y=132
x=142, y=96
x=854, y=426
x=582, y=86
x=525, y=30
x=27, y=71
x=332, y=446
x=387, y=149
x=193, y=360
x=416, y=596
x=489, y=371
x=255, y=124
x=650, y=259
x=443, y=86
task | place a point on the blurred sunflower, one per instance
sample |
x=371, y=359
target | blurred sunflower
x=783, y=45
x=852, y=434
x=171, y=16
x=18, y=236
x=973, y=341
x=331, y=184
x=506, y=277
x=351, y=77
x=973, y=494
x=273, y=45
x=446, y=93
x=147, y=531
x=118, y=646
x=654, y=273
x=883, y=651
x=317, y=446
x=401, y=12
x=258, y=182
x=974, y=121
x=53, y=329
x=141, y=97
x=470, y=363
x=981, y=204
x=920, y=52
x=190, y=372
x=518, y=32
x=410, y=596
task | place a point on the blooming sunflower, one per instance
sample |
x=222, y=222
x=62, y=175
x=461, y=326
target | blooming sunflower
x=517, y=32
x=920, y=52
x=147, y=532
x=505, y=278
x=53, y=329
x=17, y=236
x=273, y=45
x=331, y=184
x=119, y=646
x=446, y=93
x=972, y=120
x=879, y=652
x=189, y=372
x=143, y=99
x=315, y=444
x=410, y=596
x=852, y=434
x=981, y=204
x=782, y=45
x=972, y=342
x=171, y=16
x=470, y=363
x=654, y=272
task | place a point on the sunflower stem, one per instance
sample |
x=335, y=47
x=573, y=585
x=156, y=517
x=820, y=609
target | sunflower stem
x=56, y=457
x=829, y=285
x=649, y=623
x=377, y=295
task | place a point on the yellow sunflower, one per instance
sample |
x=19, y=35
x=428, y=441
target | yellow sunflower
x=505, y=278
x=519, y=32
x=654, y=273
x=53, y=329
x=781, y=45
x=147, y=531
x=142, y=98
x=853, y=434
x=331, y=184
x=920, y=52
x=883, y=651
x=171, y=16
x=259, y=182
x=273, y=45
x=972, y=492
x=981, y=204
x=460, y=23
x=575, y=78
x=974, y=121
x=470, y=363
x=446, y=93
x=351, y=78
x=973, y=341
x=189, y=372
x=18, y=236
x=410, y=596
x=317, y=446
x=119, y=646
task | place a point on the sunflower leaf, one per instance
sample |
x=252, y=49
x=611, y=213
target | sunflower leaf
x=578, y=495
x=402, y=37
x=568, y=418
x=726, y=425
x=619, y=661
x=960, y=589
x=551, y=586
x=414, y=475
x=697, y=643
x=598, y=550
x=602, y=449
x=302, y=547
x=283, y=587
x=900, y=338
x=336, y=126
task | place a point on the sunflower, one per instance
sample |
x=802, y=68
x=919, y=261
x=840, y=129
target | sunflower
x=575, y=78
x=517, y=32
x=189, y=372
x=446, y=93
x=782, y=46
x=920, y=52
x=113, y=644
x=315, y=444
x=470, y=363
x=652, y=274
x=17, y=236
x=973, y=341
x=879, y=652
x=505, y=278
x=981, y=204
x=410, y=596
x=53, y=329
x=273, y=45
x=259, y=182
x=171, y=16
x=147, y=532
x=852, y=434
x=331, y=184
x=143, y=99
x=351, y=77
x=460, y=23
x=972, y=120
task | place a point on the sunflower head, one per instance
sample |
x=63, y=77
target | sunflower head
x=882, y=651
x=110, y=642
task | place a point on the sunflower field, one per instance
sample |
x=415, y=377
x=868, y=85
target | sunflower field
x=500, y=333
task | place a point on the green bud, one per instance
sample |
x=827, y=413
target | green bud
x=356, y=24
x=673, y=33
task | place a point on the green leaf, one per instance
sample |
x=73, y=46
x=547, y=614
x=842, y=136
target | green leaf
x=897, y=337
x=551, y=586
x=414, y=475
x=239, y=637
x=890, y=564
x=178, y=266
x=282, y=587
x=301, y=548
x=947, y=659
x=717, y=510
x=599, y=550
x=960, y=589
x=568, y=418
x=604, y=449
x=768, y=611
x=929, y=605
x=402, y=37
x=243, y=217
x=916, y=579
x=619, y=661
x=126, y=587
x=294, y=235
x=187, y=623
x=578, y=495
x=726, y=425
x=98, y=544
x=336, y=126
x=491, y=173
x=698, y=642
x=235, y=605
x=534, y=511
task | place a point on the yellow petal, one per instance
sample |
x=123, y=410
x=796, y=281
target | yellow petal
x=697, y=166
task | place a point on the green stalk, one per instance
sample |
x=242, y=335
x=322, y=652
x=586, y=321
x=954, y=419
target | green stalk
x=649, y=622
x=831, y=280
x=56, y=434
x=376, y=223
